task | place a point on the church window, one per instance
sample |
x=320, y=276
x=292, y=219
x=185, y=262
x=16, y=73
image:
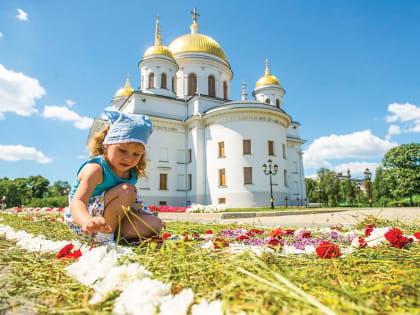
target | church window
x=192, y=84
x=284, y=151
x=221, y=149
x=162, y=203
x=267, y=101
x=221, y=200
x=270, y=147
x=247, y=146
x=163, y=84
x=163, y=182
x=173, y=84
x=225, y=96
x=277, y=103
x=222, y=177
x=151, y=80
x=189, y=181
x=285, y=177
x=189, y=156
x=212, y=86
x=181, y=182
x=247, y=175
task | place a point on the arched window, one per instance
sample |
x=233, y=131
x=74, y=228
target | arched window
x=173, y=84
x=192, y=84
x=225, y=96
x=151, y=80
x=212, y=86
x=163, y=84
x=267, y=101
x=277, y=103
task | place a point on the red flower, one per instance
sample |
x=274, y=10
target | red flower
x=220, y=243
x=209, y=232
x=74, y=255
x=362, y=242
x=336, y=228
x=252, y=232
x=65, y=251
x=166, y=235
x=396, y=238
x=185, y=236
x=417, y=235
x=276, y=232
x=369, y=229
x=195, y=235
x=242, y=237
x=328, y=250
x=91, y=247
x=274, y=242
x=288, y=232
x=306, y=235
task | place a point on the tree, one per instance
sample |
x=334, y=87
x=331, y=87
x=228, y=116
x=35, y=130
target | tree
x=311, y=189
x=329, y=186
x=402, y=170
x=39, y=186
x=59, y=188
x=380, y=186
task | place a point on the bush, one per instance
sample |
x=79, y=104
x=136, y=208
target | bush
x=51, y=202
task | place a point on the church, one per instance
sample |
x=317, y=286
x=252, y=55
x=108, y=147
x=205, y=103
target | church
x=205, y=147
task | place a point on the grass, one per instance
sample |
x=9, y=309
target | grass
x=379, y=280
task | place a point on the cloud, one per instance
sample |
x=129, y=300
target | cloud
x=356, y=168
x=312, y=176
x=19, y=152
x=81, y=156
x=65, y=114
x=359, y=145
x=407, y=114
x=403, y=112
x=18, y=92
x=1, y=34
x=70, y=103
x=23, y=16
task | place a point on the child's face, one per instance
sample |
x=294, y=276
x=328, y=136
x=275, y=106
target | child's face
x=124, y=156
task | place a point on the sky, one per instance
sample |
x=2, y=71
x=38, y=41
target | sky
x=351, y=71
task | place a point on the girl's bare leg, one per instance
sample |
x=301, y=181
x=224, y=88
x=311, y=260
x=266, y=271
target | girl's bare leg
x=116, y=198
x=146, y=225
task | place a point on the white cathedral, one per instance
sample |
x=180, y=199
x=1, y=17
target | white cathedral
x=206, y=148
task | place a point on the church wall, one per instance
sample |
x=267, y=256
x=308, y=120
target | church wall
x=157, y=67
x=159, y=107
x=271, y=93
x=293, y=130
x=232, y=133
x=296, y=174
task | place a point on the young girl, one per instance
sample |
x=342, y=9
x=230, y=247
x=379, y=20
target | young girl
x=106, y=183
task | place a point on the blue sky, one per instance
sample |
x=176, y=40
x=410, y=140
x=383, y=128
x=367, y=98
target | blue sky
x=350, y=70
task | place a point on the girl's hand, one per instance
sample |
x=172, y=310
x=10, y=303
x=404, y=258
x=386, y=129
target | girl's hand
x=96, y=224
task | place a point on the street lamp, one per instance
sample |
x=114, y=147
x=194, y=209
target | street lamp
x=270, y=172
x=368, y=176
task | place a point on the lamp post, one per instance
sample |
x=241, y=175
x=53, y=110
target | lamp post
x=270, y=172
x=368, y=176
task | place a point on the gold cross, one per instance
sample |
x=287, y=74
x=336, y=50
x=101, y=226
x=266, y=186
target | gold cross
x=195, y=14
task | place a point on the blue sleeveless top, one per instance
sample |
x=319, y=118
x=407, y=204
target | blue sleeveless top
x=110, y=179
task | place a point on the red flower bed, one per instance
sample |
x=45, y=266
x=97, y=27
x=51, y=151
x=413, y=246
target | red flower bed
x=396, y=238
x=167, y=209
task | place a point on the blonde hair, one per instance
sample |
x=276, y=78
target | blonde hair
x=96, y=147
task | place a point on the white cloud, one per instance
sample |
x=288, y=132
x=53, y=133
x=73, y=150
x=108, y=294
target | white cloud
x=63, y=113
x=356, y=168
x=81, y=156
x=312, y=176
x=18, y=92
x=70, y=103
x=22, y=15
x=361, y=144
x=1, y=34
x=394, y=130
x=19, y=152
x=403, y=112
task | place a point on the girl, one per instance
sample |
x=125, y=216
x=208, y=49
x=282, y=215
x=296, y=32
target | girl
x=106, y=183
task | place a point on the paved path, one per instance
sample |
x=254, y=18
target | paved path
x=296, y=218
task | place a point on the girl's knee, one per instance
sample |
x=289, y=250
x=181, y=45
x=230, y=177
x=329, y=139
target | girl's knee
x=125, y=191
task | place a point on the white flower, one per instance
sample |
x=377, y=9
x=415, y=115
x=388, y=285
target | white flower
x=377, y=236
x=204, y=308
x=178, y=304
x=141, y=297
x=116, y=279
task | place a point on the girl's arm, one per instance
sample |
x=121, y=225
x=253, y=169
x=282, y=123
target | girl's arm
x=90, y=176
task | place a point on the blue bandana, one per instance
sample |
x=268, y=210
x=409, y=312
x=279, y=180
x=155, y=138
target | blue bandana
x=127, y=128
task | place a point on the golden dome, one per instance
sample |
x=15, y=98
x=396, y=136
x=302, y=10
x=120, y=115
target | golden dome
x=195, y=42
x=126, y=90
x=267, y=79
x=158, y=49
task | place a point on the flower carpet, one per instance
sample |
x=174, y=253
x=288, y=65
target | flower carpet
x=211, y=269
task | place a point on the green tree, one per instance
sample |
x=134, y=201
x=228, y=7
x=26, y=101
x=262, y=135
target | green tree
x=59, y=188
x=39, y=186
x=381, y=192
x=329, y=186
x=311, y=190
x=402, y=170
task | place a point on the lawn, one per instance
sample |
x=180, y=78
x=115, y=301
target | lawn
x=381, y=279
